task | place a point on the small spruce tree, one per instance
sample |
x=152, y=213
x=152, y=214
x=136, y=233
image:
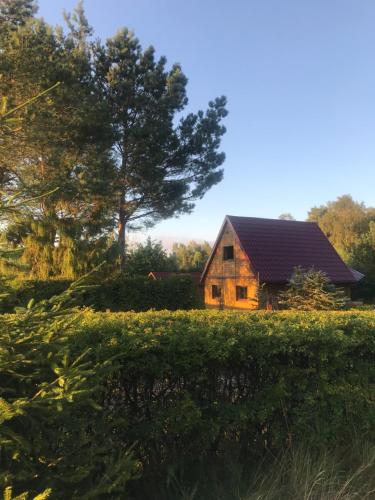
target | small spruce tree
x=310, y=289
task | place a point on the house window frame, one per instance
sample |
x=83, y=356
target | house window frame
x=216, y=295
x=226, y=250
x=238, y=288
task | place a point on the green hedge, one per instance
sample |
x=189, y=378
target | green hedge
x=21, y=292
x=141, y=294
x=187, y=383
x=118, y=294
x=79, y=390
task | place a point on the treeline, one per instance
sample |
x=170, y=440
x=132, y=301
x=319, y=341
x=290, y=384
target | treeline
x=152, y=256
x=108, y=150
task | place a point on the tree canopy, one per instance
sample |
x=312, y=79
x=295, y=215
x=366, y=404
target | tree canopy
x=286, y=216
x=349, y=225
x=164, y=161
x=111, y=145
x=191, y=257
x=147, y=257
x=344, y=221
x=362, y=258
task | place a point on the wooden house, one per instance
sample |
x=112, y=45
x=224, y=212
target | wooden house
x=253, y=254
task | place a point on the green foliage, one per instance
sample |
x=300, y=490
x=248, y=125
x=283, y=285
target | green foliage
x=110, y=143
x=122, y=293
x=178, y=388
x=20, y=293
x=140, y=293
x=310, y=290
x=164, y=161
x=8, y=495
x=192, y=384
x=362, y=258
x=344, y=221
x=62, y=148
x=286, y=216
x=16, y=12
x=52, y=432
x=191, y=257
x=349, y=225
x=147, y=257
x=53, y=436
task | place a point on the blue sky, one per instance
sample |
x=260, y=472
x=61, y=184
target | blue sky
x=299, y=76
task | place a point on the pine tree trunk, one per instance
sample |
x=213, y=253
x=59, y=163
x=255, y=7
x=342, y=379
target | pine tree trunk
x=121, y=232
x=121, y=242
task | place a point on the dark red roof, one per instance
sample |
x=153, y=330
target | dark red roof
x=275, y=247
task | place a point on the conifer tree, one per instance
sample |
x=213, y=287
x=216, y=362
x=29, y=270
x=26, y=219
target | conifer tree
x=52, y=432
x=107, y=145
x=16, y=12
x=310, y=290
x=162, y=167
x=62, y=148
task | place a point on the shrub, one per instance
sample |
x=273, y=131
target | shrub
x=187, y=383
x=310, y=290
x=122, y=293
x=140, y=294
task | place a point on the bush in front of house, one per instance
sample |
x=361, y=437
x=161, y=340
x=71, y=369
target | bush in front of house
x=310, y=290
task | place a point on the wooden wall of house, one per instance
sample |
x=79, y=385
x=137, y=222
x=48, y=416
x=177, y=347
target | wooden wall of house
x=228, y=274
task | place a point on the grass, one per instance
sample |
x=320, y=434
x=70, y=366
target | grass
x=296, y=474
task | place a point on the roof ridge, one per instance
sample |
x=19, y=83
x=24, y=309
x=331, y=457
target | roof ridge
x=270, y=219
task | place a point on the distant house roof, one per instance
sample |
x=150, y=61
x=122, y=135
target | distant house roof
x=163, y=275
x=275, y=247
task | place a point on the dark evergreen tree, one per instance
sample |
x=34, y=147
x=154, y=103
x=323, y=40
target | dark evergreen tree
x=16, y=12
x=63, y=149
x=107, y=146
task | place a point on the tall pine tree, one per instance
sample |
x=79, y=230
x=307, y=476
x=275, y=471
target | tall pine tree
x=162, y=166
x=107, y=145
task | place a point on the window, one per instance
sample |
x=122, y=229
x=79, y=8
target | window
x=228, y=253
x=241, y=292
x=216, y=292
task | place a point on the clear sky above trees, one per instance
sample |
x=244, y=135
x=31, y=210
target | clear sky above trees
x=300, y=82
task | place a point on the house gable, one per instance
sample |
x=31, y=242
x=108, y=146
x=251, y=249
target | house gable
x=229, y=274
